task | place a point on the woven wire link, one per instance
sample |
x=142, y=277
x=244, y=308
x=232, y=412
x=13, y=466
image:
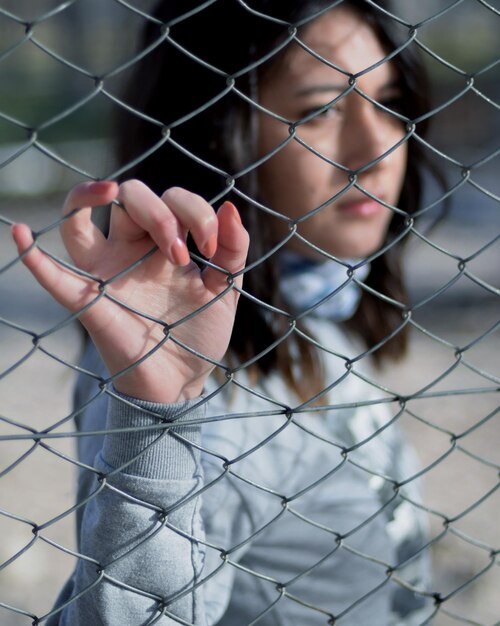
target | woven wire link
x=459, y=378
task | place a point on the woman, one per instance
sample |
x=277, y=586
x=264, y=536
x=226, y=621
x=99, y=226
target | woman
x=279, y=490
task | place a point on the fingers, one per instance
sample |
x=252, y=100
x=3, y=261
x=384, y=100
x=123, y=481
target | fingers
x=166, y=220
x=83, y=240
x=195, y=216
x=232, y=249
x=67, y=288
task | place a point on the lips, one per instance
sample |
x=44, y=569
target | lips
x=363, y=207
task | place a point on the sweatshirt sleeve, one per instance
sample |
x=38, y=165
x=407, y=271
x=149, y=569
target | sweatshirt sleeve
x=141, y=550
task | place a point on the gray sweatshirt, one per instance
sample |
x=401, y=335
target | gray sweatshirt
x=242, y=507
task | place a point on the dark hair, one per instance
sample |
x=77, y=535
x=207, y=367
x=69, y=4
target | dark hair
x=195, y=130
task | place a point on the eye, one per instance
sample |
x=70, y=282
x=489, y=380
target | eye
x=318, y=114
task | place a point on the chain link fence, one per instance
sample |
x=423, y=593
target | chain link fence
x=63, y=65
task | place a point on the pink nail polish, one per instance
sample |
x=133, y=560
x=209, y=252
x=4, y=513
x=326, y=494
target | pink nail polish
x=179, y=252
x=234, y=211
x=99, y=186
x=210, y=247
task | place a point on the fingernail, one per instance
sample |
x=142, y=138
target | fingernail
x=179, y=252
x=210, y=246
x=99, y=186
x=234, y=211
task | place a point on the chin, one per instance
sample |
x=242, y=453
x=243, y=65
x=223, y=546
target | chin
x=365, y=249
x=355, y=251
x=341, y=250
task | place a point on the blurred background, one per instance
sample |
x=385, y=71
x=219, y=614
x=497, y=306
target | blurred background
x=456, y=423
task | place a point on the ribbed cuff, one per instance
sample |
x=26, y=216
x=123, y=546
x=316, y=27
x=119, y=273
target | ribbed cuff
x=161, y=454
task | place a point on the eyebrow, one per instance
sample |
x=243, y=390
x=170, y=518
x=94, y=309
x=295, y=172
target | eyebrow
x=329, y=87
x=307, y=91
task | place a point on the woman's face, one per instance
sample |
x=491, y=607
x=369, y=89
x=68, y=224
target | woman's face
x=352, y=133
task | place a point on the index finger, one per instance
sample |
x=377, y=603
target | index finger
x=168, y=219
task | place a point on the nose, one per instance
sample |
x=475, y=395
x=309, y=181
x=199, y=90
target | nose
x=366, y=137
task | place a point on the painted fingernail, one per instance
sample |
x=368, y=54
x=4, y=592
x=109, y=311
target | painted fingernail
x=179, y=252
x=99, y=186
x=234, y=211
x=210, y=246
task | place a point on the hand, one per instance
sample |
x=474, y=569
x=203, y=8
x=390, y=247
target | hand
x=166, y=286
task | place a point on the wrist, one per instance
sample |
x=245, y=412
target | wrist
x=165, y=392
x=138, y=443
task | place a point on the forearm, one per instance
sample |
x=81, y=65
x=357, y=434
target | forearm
x=137, y=527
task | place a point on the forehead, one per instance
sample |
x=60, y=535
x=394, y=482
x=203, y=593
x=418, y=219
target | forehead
x=343, y=38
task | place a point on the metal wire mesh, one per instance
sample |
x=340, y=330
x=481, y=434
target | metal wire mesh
x=445, y=396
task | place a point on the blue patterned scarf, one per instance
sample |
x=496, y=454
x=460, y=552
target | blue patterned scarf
x=304, y=283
